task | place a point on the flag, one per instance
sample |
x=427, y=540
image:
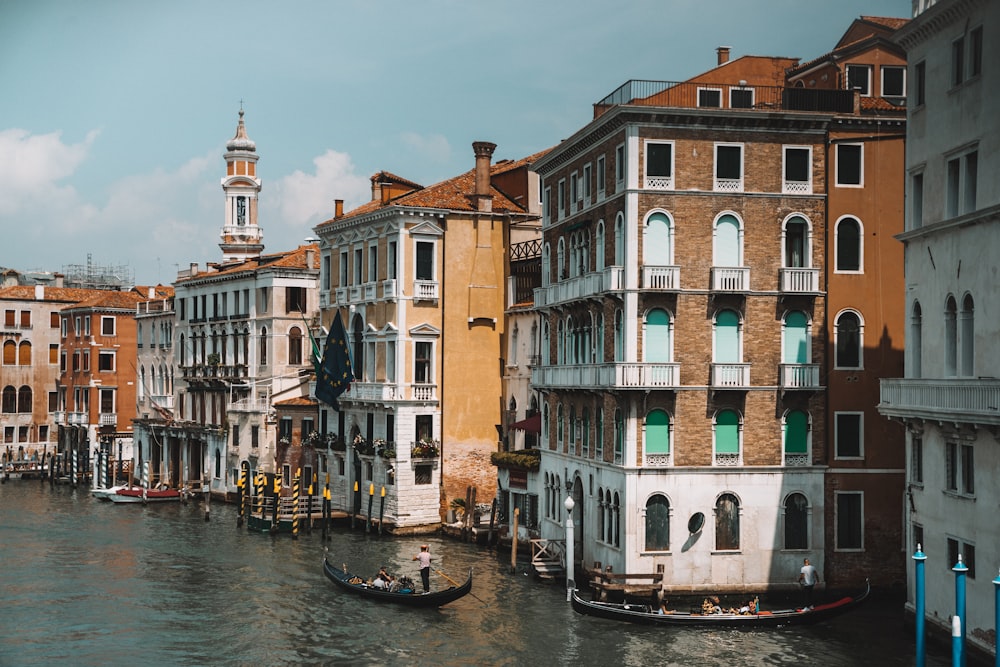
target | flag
x=334, y=375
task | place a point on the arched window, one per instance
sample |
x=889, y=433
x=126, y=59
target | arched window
x=294, y=346
x=546, y=264
x=658, y=523
x=950, y=337
x=849, y=340
x=358, y=362
x=545, y=423
x=24, y=353
x=561, y=259
x=141, y=389
x=849, y=245
x=263, y=346
x=9, y=400
x=619, y=436
x=585, y=435
x=727, y=523
x=9, y=353
x=619, y=336
x=559, y=426
x=620, y=240
x=796, y=334
x=180, y=341
x=599, y=435
x=914, y=346
x=572, y=429
x=727, y=438
x=796, y=438
x=616, y=514
x=599, y=337
x=218, y=463
x=658, y=241
x=560, y=343
x=967, y=336
x=657, y=438
x=601, y=510
x=657, y=343
x=599, y=238
x=796, y=521
x=728, y=245
x=796, y=246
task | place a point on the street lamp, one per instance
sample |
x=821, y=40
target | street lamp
x=570, y=584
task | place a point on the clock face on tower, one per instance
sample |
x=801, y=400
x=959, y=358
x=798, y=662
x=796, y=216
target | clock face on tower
x=241, y=210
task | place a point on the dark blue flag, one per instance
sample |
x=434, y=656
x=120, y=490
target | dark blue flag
x=334, y=375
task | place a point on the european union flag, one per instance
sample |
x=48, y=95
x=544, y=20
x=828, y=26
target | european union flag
x=334, y=375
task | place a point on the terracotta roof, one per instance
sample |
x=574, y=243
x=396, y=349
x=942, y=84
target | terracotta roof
x=880, y=104
x=888, y=21
x=453, y=194
x=109, y=299
x=389, y=177
x=861, y=30
x=297, y=401
x=289, y=259
x=160, y=291
x=60, y=294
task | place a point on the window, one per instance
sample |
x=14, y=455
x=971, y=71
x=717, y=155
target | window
x=255, y=436
x=561, y=199
x=358, y=266
x=710, y=97
x=107, y=401
x=920, y=72
x=294, y=346
x=657, y=523
x=916, y=460
x=894, y=82
x=25, y=319
x=796, y=522
x=619, y=436
x=65, y=326
x=423, y=473
x=859, y=78
x=741, y=98
x=958, y=61
x=24, y=399
x=848, y=435
x=422, y=362
x=24, y=353
x=976, y=52
x=9, y=400
x=850, y=522
x=950, y=337
x=295, y=299
x=574, y=191
x=967, y=336
x=599, y=434
x=107, y=326
x=425, y=260
x=586, y=183
x=86, y=326
x=601, y=177
x=849, y=248
x=726, y=438
x=797, y=243
x=916, y=200
x=914, y=347
x=960, y=469
x=620, y=165
x=968, y=466
x=796, y=438
x=659, y=170
x=850, y=169
x=262, y=344
x=797, y=170
x=9, y=353
x=390, y=260
x=967, y=552
x=54, y=320
x=728, y=168
x=105, y=361
x=53, y=402
x=727, y=523
x=962, y=174
x=657, y=437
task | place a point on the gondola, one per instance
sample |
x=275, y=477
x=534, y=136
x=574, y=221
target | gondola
x=772, y=618
x=344, y=579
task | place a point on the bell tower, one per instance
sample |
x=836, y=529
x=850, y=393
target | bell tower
x=242, y=237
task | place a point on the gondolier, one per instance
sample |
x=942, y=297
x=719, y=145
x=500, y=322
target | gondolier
x=424, y=559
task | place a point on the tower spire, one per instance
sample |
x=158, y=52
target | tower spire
x=242, y=237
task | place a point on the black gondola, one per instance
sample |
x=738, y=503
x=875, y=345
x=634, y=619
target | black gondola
x=344, y=579
x=642, y=613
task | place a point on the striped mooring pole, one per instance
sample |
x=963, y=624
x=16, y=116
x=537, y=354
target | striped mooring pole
x=296, y=483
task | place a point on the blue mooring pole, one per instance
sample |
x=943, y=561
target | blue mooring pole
x=956, y=641
x=960, y=571
x=920, y=600
x=996, y=618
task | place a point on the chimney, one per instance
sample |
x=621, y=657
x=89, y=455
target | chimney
x=376, y=188
x=152, y=292
x=60, y=280
x=723, y=52
x=484, y=154
x=194, y=268
x=310, y=254
x=338, y=208
x=39, y=292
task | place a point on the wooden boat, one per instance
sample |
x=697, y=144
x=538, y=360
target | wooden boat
x=139, y=495
x=643, y=613
x=344, y=579
x=105, y=492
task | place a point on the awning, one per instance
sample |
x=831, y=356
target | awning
x=531, y=424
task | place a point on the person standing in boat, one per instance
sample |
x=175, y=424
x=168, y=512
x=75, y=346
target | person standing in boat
x=808, y=578
x=424, y=558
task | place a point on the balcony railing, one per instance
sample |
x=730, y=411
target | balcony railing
x=799, y=280
x=369, y=289
x=210, y=371
x=389, y=289
x=659, y=182
x=163, y=400
x=373, y=391
x=608, y=376
x=76, y=418
x=968, y=400
x=797, y=460
x=425, y=290
x=611, y=279
x=251, y=405
x=341, y=295
x=730, y=376
x=109, y=419
x=730, y=279
x=728, y=185
x=659, y=460
x=798, y=376
x=661, y=278
x=796, y=187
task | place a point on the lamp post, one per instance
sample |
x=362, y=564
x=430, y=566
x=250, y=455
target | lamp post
x=570, y=584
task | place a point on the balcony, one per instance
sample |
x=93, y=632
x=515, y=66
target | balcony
x=659, y=182
x=730, y=279
x=796, y=187
x=324, y=299
x=373, y=391
x=389, y=289
x=77, y=418
x=730, y=376
x=959, y=400
x=661, y=460
x=611, y=279
x=221, y=372
x=640, y=376
x=59, y=416
x=340, y=295
x=661, y=278
x=109, y=419
x=425, y=290
x=798, y=376
x=369, y=292
x=799, y=280
x=163, y=400
x=728, y=185
x=250, y=405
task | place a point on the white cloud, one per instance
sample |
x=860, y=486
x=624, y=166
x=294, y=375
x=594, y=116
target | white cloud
x=32, y=167
x=303, y=200
x=433, y=147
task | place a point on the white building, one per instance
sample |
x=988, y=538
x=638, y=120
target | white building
x=950, y=396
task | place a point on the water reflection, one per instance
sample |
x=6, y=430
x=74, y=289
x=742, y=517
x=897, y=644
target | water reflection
x=93, y=583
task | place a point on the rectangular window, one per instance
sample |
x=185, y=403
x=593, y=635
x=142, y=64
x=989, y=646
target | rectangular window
x=951, y=466
x=423, y=474
x=62, y=362
x=106, y=361
x=920, y=72
x=86, y=327
x=859, y=78
x=390, y=261
x=546, y=203
x=574, y=190
x=76, y=361
x=285, y=429
x=848, y=435
x=295, y=299
x=86, y=361
x=620, y=165
x=422, y=362
x=601, y=176
x=343, y=269
x=710, y=97
x=850, y=521
x=849, y=165
x=9, y=318
x=54, y=320
x=958, y=61
x=741, y=98
x=255, y=436
x=586, y=183
x=65, y=326
x=107, y=401
x=561, y=199
x=916, y=201
x=390, y=361
x=25, y=319
x=43, y=433
x=971, y=175
x=976, y=52
x=53, y=397
x=659, y=168
x=797, y=168
x=917, y=460
x=53, y=354
x=729, y=167
x=77, y=326
x=358, y=266
x=325, y=273
x=968, y=466
x=425, y=260
x=372, y=263
x=894, y=81
x=107, y=326
x=952, y=193
x=969, y=558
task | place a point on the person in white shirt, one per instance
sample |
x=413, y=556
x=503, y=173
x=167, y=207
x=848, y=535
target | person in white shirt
x=808, y=578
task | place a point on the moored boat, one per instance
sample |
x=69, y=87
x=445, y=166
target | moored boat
x=412, y=598
x=140, y=495
x=105, y=493
x=646, y=614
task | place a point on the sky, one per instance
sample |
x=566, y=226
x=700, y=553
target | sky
x=115, y=114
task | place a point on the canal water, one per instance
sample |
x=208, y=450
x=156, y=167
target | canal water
x=88, y=582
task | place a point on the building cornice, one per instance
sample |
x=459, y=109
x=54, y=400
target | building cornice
x=926, y=25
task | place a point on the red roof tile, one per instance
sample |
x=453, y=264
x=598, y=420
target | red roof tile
x=60, y=294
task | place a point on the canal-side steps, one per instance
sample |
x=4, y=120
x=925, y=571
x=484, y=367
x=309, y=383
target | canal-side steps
x=547, y=559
